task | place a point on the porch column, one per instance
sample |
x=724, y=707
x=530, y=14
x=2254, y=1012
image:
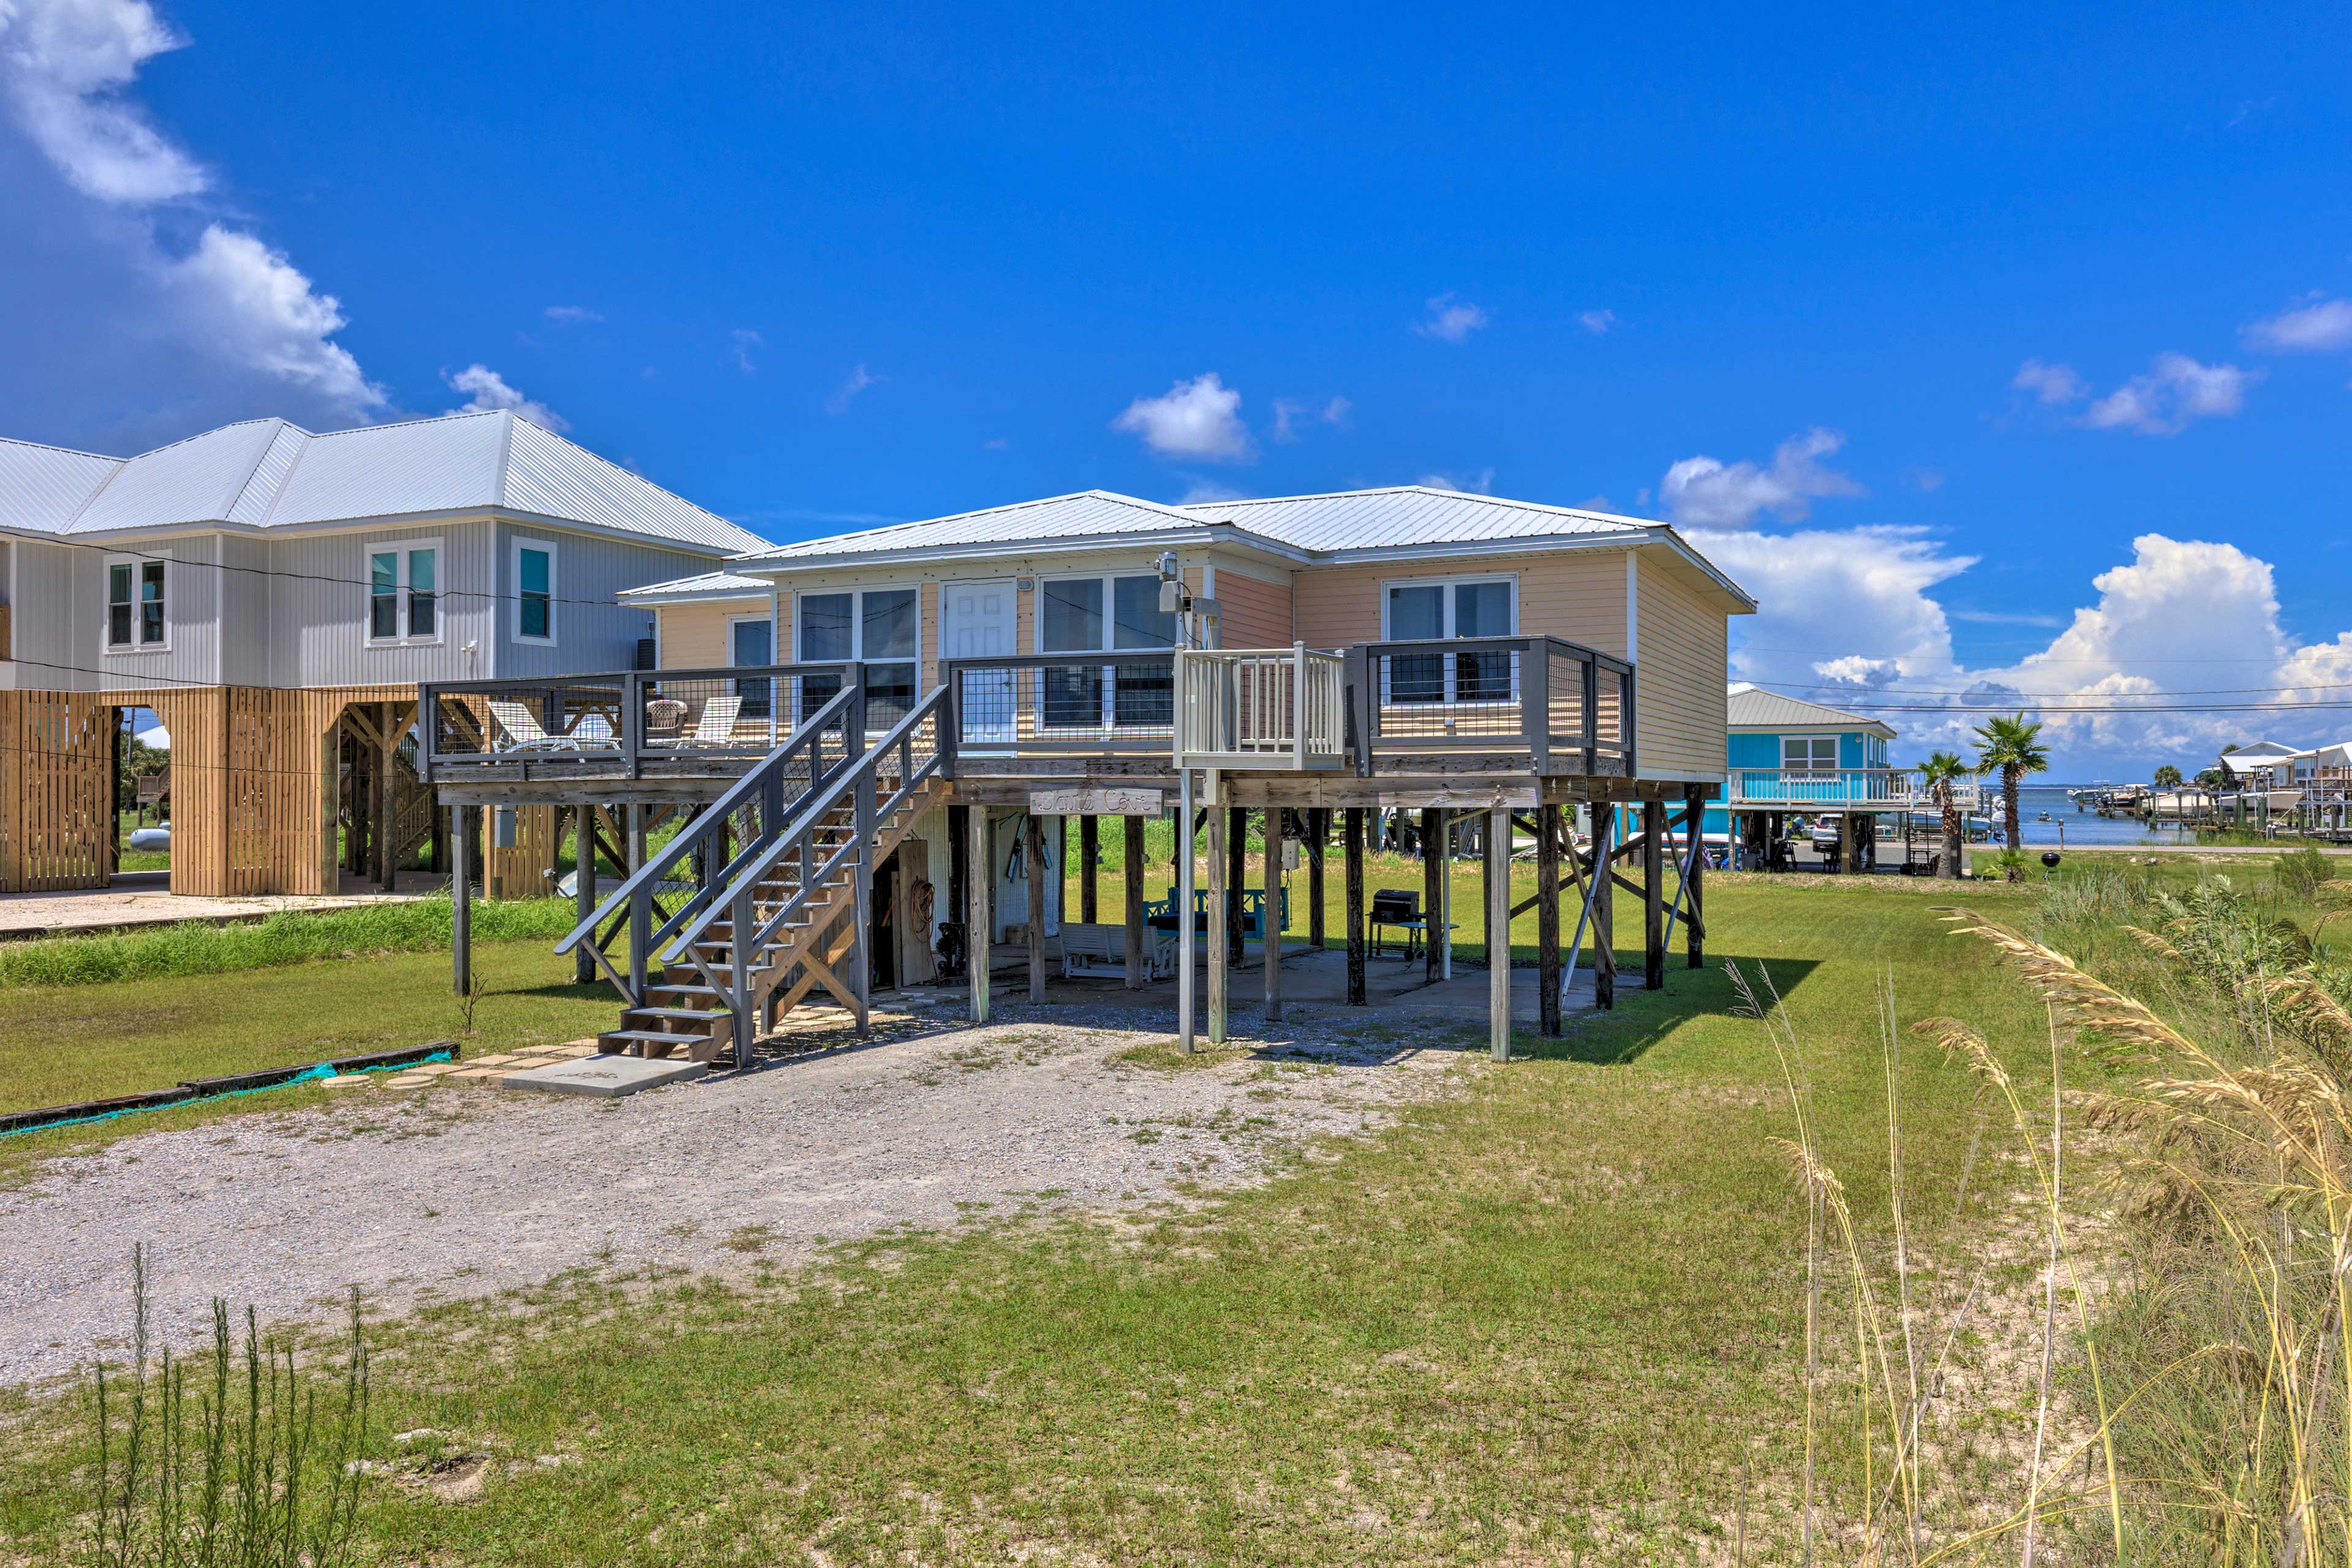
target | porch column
x=1353, y=855
x=1319, y=834
x=1547, y=840
x=1654, y=894
x=977, y=937
x=1271, y=926
x=1034, y=856
x=1499, y=932
x=1433, y=889
x=1131, y=833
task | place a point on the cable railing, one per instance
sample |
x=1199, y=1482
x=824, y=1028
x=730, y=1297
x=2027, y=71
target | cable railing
x=1567, y=708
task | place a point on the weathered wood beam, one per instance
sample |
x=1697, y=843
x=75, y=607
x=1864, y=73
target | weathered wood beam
x=1353, y=853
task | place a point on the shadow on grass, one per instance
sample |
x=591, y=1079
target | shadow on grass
x=1643, y=1018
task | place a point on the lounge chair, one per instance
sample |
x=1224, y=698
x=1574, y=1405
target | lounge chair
x=522, y=731
x=593, y=732
x=716, y=727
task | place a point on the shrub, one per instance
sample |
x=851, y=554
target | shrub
x=2298, y=874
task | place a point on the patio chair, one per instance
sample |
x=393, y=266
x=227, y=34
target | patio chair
x=717, y=725
x=593, y=732
x=522, y=731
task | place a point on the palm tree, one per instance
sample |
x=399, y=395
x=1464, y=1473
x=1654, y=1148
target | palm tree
x=2168, y=777
x=2013, y=748
x=1941, y=773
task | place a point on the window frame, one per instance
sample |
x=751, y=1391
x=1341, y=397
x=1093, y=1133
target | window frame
x=137, y=645
x=1450, y=696
x=516, y=546
x=1107, y=696
x=813, y=696
x=403, y=606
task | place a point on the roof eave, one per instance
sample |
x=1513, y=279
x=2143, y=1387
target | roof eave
x=398, y=519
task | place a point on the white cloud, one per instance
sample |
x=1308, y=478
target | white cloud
x=1207, y=492
x=2051, y=384
x=1289, y=414
x=741, y=342
x=847, y=393
x=1452, y=320
x=1598, y=322
x=1478, y=481
x=248, y=303
x=490, y=392
x=2176, y=392
x=571, y=314
x=1706, y=492
x=2317, y=326
x=1200, y=418
x=67, y=65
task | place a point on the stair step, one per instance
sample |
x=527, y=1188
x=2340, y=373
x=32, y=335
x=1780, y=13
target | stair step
x=698, y=1015
x=651, y=1036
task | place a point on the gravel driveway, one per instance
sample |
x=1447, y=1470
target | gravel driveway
x=465, y=1189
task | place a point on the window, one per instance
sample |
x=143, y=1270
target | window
x=404, y=594
x=753, y=643
x=1809, y=753
x=1071, y=619
x=134, y=607
x=879, y=627
x=534, y=577
x=1445, y=612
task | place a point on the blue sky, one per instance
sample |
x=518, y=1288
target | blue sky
x=1960, y=314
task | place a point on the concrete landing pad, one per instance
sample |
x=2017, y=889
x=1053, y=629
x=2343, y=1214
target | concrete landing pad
x=605, y=1076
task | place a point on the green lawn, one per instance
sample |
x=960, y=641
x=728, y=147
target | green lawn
x=1559, y=1313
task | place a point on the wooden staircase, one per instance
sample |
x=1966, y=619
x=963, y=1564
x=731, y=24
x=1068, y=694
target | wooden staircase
x=683, y=1013
x=807, y=826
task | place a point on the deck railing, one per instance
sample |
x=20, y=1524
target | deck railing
x=1568, y=708
x=1261, y=708
x=628, y=723
x=1118, y=703
x=1890, y=788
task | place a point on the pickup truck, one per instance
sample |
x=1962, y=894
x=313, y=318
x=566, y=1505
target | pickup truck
x=1825, y=839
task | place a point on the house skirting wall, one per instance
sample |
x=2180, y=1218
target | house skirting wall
x=253, y=782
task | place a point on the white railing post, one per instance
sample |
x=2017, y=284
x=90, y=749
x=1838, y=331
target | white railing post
x=1298, y=709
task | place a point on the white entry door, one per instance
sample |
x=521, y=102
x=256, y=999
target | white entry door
x=976, y=621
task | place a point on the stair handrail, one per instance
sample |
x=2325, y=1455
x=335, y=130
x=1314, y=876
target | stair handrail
x=807, y=812
x=714, y=819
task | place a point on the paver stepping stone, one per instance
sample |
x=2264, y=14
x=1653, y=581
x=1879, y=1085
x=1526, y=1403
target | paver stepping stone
x=344, y=1079
x=604, y=1076
x=408, y=1081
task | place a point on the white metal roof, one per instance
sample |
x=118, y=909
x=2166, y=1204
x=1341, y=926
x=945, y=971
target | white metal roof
x=1406, y=515
x=1088, y=514
x=702, y=585
x=1753, y=708
x=269, y=474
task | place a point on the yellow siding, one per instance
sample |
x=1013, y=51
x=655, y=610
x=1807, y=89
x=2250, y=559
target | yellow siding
x=1579, y=595
x=1257, y=612
x=1679, y=694
x=693, y=637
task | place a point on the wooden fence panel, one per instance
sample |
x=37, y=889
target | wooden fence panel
x=56, y=790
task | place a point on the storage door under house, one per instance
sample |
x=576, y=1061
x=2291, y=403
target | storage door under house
x=56, y=790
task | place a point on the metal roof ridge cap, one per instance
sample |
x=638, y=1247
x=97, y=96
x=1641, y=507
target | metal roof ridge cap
x=1532, y=545
x=239, y=487
x=291, y=470
x=1188, y=529
x=506, y=462
x=599, y=457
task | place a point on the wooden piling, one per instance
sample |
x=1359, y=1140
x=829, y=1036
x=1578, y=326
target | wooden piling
x=1653, y=894
x=977, y=937
x=1089, y=847
x=583, y=889
x=1604, y=917
x=461, y=897
x=1131, y=835
x=1433, y=889
x=1236, y=862
x=1033, y=858
x=1695, y=853
x=1499, y=932
x=1318, y=835
x=1271, y=925
x=1219, y=829
x=1352, y=854
x=1549, y=835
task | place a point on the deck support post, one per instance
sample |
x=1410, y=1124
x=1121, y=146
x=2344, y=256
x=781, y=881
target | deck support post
x=1849, y=848
x=862, y=805
x=1236, y=862
x=1131, y=869
x=1548, y=841
x=1604, y=912
x=977, y=937
x=384, y=799
x=1695, y=874
x=1318, y=835
x=583, y=888
x=641, y=905
x=1032, y=854
x=1089, y=847
x=1183, y=903
x=1433, y=890
x=1219, y=949
x=1353, y=855
x=1654, y=892
x=1270, y=924
x=1499, y=932
x=461, y=897
x=738, y=978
